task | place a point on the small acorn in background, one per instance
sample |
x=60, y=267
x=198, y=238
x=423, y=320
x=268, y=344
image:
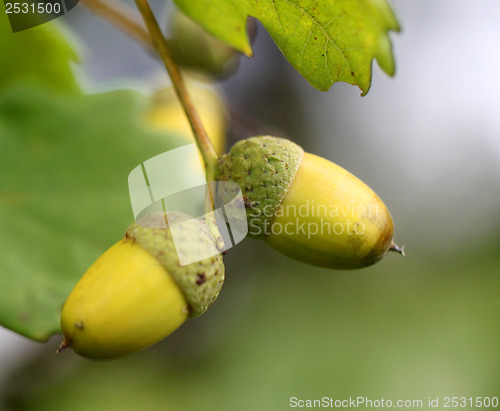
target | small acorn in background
x=307, y=207
x=137, y=292
x=194, y=48
x=166, y=113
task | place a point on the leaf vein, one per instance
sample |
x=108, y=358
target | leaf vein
x=326, y=62
x=325, y=34
x=307, y=42
x=279, y=16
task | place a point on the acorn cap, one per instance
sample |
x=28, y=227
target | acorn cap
x=201, y=281
x=264, y=167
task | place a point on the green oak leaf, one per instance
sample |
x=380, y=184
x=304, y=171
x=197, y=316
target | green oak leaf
x=325, y=40
x=64, y=163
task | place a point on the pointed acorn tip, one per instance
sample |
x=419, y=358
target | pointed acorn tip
x=397, y=249
x=64, y=344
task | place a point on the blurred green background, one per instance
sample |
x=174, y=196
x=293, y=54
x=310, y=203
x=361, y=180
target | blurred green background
x=425, y=325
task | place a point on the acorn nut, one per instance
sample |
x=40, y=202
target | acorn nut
x=307, y=207
x=137, y=292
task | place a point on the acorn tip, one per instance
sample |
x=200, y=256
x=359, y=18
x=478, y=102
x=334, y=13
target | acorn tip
x=62, y=346
x=397, y=249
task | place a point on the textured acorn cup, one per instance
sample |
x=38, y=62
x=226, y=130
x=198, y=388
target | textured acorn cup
x=307, y=207
x=200, y=282
x=264, y=168
x=137, y=293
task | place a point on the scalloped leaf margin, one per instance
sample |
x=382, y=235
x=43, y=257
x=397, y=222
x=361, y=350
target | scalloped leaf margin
x=325, y=40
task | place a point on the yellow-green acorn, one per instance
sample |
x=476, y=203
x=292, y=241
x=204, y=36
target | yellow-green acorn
x=307, y=207
x=137, y=292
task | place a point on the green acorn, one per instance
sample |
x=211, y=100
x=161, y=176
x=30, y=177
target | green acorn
x=307, y=207
x=137, y=292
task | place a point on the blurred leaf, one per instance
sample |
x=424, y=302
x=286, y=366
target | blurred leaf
x=40, y=55
x=325, y=41
x=64, y=162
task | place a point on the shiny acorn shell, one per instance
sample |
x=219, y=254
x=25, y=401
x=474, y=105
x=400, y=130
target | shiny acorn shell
x=307, y=207
x=137, y=293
